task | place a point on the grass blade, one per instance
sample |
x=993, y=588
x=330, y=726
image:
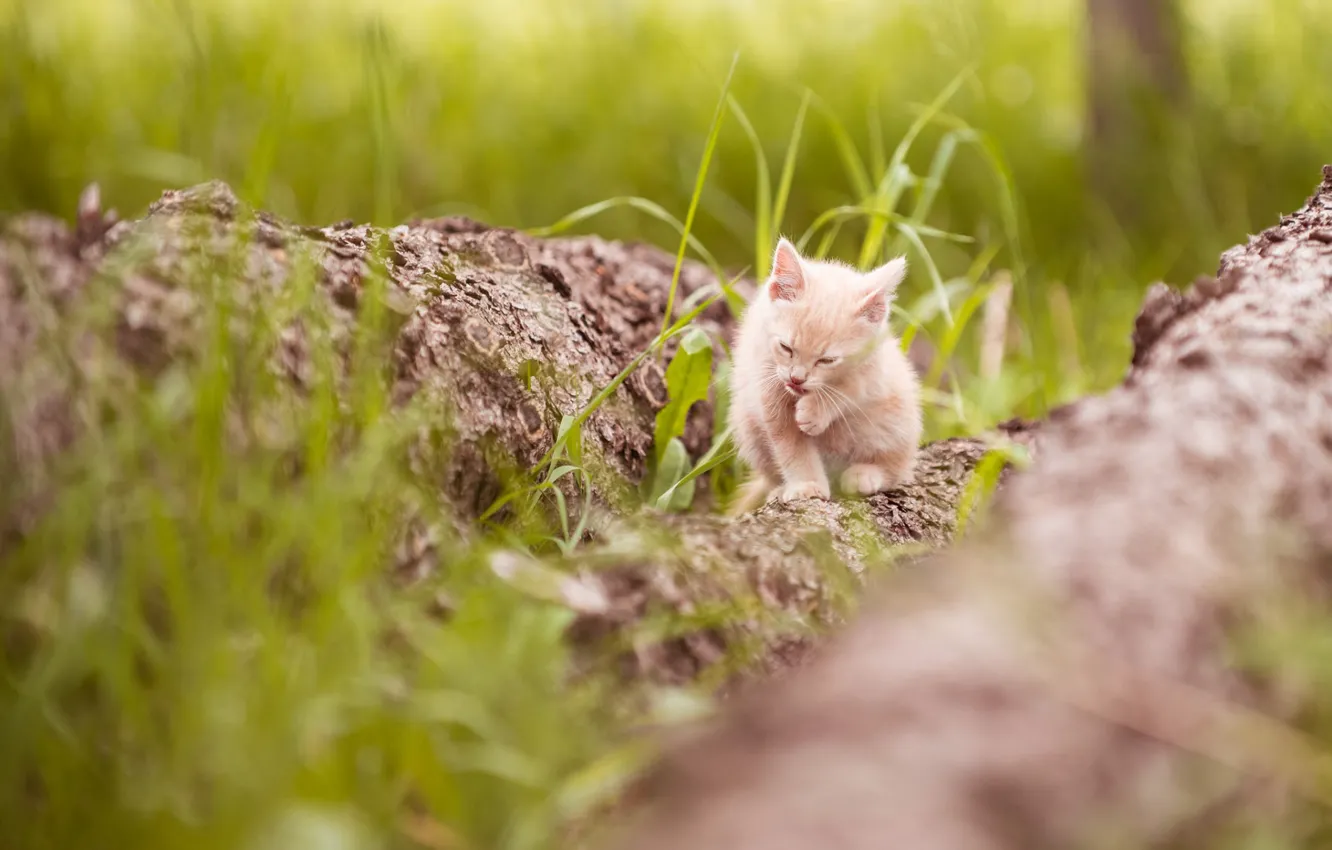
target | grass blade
x=733, y=298
x=877, y=161
x=643, y=205
x=788, y=176
x=953, y=335
x=913, y=236
x=829, y=239
x=1009, y=213
x=838, y=215
x=711, y=145
x=886, y=196
x=846, y=149
x=763, y=236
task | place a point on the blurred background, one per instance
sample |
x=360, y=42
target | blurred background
x=1135, y=139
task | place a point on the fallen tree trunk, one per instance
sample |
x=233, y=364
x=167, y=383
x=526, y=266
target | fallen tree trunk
x=502, y=335
x=1066, y=679
x=507, y=333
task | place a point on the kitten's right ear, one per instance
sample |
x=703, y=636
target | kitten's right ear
x=883, y=283
x=788, y=274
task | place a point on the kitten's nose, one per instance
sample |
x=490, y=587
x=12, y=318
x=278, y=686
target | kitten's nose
x=796, y=380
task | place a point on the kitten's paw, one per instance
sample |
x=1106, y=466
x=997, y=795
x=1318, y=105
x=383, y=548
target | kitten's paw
x=866, y=479
x=812, y=417
x=802, y=490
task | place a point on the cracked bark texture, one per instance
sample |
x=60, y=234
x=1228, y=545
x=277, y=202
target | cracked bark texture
x=501, y=335
x=1064, y=679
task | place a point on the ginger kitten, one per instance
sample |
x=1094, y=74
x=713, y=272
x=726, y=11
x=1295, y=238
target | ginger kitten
x=820, y=379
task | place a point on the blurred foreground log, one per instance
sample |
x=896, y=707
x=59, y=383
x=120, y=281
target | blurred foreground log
x=1067, y=679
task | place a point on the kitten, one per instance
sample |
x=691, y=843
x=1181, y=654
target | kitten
x=819, y=378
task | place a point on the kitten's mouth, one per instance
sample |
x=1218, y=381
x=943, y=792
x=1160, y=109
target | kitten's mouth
x=795, y=390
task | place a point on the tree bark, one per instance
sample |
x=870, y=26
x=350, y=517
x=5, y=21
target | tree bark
x=503, y=335
x=1065, y=678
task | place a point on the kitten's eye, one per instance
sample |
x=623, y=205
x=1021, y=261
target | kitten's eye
x=825, y=361
x=786, y=349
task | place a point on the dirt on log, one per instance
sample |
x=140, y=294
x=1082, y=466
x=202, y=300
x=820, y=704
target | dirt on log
x=503, y=335
x=1065, y=679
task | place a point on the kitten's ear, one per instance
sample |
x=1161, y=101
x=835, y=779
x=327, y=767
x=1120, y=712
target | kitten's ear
x=883, y=283
x=788, y=274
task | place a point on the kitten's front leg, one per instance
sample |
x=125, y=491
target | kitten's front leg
x=803, y=475
x=892, y=469
x=813, y=415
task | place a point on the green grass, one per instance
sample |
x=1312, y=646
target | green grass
x=522, y=112
x=203, y=645
x=448, y=106
x=203, y=640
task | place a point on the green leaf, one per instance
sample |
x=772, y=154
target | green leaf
x=664, y=474
x=528, y=370
x=687, y=381
x=723, y=449
x=570, y=438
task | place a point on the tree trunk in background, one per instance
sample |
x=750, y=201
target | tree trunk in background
x=1137, y=83
x=1068, y=678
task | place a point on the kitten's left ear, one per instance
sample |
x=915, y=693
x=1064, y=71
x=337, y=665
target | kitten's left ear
x=787, y=282
x=883, y=283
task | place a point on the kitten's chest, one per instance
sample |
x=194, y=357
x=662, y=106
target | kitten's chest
x=840, y=439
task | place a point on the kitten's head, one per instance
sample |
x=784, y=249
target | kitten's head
x=825, y=318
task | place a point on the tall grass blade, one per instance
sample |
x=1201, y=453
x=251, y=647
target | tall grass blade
x=913, y=236
x=717, y=117
x=763, y=236
x=890, y=186
x=787, y=178
x=846, y=149
x=643, y=205
x=838, y=215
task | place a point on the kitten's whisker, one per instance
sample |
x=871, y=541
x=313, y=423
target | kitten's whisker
x=825, y=401
x=846, y=404
x=774, y=393
x=837, y=405
x=855, y=406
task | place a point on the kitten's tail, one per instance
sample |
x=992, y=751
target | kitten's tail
x=751, y=495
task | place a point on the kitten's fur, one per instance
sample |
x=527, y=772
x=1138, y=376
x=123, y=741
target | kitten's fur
x=858, y=409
